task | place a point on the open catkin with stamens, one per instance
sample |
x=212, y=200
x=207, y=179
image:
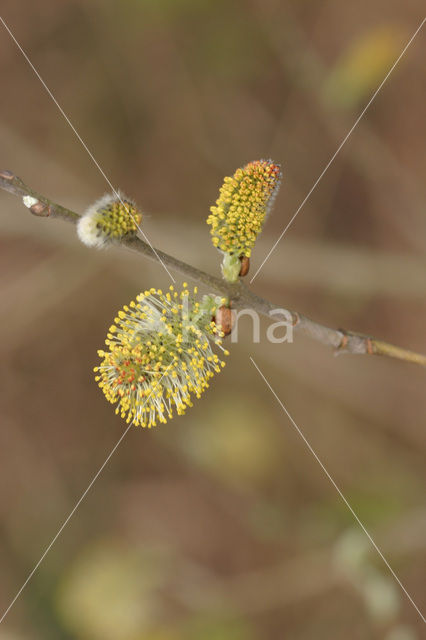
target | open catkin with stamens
x=160, y=355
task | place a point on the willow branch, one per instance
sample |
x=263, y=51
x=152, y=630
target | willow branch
x=341, y=340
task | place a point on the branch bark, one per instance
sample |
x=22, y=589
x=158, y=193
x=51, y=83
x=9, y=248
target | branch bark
x=341, y=340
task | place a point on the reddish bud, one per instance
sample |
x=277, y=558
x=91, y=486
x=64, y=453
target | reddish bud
x=7, y=175
x=245, y=266
x=224, y=319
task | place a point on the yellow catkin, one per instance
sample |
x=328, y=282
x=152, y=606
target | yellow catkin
x=119, y=219
x=109, y=218
x=159, y=356
x=244, y=201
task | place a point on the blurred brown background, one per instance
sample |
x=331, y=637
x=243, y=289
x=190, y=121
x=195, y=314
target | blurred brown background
x=219, y=525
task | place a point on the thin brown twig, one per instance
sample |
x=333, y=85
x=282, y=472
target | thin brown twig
x=341, y=340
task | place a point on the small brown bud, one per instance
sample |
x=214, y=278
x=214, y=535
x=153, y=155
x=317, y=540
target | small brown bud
x=224, y=319
x=7, y=175
x=39, y=209
x=245, y=266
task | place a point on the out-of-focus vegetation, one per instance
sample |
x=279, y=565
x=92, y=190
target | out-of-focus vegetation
x=363, y=66
x=219, y=525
